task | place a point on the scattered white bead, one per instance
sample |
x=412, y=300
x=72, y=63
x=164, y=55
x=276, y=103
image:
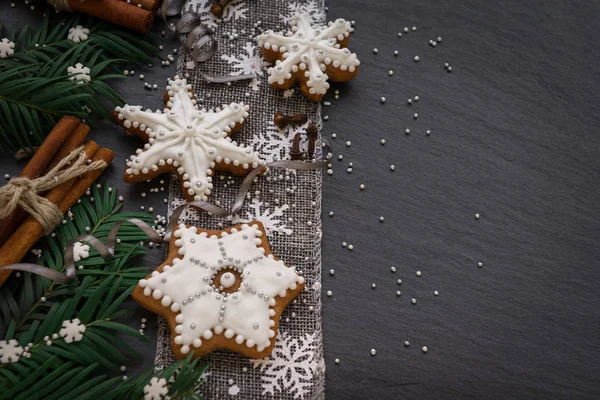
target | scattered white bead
x=395, y=52
x=413, y=300
x=424, y=348
x=476, y=216
x=405, y=29
x=428, y=132
x=329, y=293
x=383, y=99
x=350, y=247
x=392, y=167
x=390, y=72
x=480, y=264
x=416, y=115
x=382, y=141
x=393, y=269
x=435, y=293
x=381, y=219
x=348, y=143
x=399, y=281
x=337, y=361
x=418, y=273
x=331, y=272
x=373, y=286
x=417, y=58
x=406, y=343
x=362, y=186
x=373, y=352
x=398, y=293
x=414, y=28
x=375, y=51
x=407, y=131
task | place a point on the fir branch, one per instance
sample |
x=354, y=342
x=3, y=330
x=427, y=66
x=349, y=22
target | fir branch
x=36, y=89
x=90, y=368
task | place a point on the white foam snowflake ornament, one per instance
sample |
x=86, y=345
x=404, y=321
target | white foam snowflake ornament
x=191, y=141
x=6, y=48
x=156, y=389
x=78, y=34
x=80, y=251
x=309, y=54
x=290, y=368
x=10, y=351
x=72, y=330
x=81, y=73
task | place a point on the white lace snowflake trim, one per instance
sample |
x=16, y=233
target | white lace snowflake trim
x=273, y=220
x=78, y=34
x=10, y=351
x=156, y=389
x=82, y=74
x=291, y=367
x=6, y=48
x=80, y=251
x=250, y=62
x=72, y=330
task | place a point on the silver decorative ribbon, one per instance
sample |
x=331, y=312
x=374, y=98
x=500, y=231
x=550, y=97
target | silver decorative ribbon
x=196, y=37
x=107, y=251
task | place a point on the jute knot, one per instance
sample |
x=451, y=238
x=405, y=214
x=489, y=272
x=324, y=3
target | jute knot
x=23, y=192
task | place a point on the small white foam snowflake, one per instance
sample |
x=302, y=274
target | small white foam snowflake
x=72, y=330
x=156, y=389
x=268, y=218
x=288, y=93
x=80, y=251
x=78, y=34
x=10, y=351
x=6, y=48
x=81, y=73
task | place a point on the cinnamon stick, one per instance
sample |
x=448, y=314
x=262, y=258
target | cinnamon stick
x=150, y=5
x=115, y=11
x=64, y=196
x=38, y=163
x=73, y=141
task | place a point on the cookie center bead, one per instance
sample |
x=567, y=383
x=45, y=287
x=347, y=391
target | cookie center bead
x=227, y=280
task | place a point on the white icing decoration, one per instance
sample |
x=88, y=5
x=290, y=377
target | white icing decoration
x=78, y=34
x=227, y=280
x=309, y=48
x=72, y=330
x=244, y=315
x=6, y=48
x=188, y=138
x=80, y=251
x=156, y=389
x=10, y=351
x=82, y=74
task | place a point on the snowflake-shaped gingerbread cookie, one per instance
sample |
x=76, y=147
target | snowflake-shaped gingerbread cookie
x=309, y=55
x=72, y=330
x=183, y=138
x=220, y=290
x=78, y=34
x=10, y=351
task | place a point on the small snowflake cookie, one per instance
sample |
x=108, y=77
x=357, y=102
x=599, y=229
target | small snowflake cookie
x=156, y=389
x=78, y=34
x=81, y=73
x=309, y=55
x=220, y=290
x=6, y=48
x=184, y=138
x=10, y=351
x=72, y=330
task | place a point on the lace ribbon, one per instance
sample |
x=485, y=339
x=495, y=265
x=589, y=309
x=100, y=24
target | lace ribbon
x=107, y=251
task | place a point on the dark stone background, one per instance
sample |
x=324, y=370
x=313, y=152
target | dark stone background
x=514, y=138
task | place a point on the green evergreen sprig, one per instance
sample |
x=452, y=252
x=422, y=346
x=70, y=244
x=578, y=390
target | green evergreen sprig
x=36, y=89
x=33, y=308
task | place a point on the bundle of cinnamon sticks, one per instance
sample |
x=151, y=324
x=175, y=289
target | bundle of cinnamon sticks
x=137, y=15
x=20, y=231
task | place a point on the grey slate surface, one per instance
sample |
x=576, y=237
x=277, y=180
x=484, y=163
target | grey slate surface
x=515, y=139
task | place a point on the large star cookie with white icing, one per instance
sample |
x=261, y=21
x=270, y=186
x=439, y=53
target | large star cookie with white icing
x=220, y=290
x=184, y=138
x=309, y=55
